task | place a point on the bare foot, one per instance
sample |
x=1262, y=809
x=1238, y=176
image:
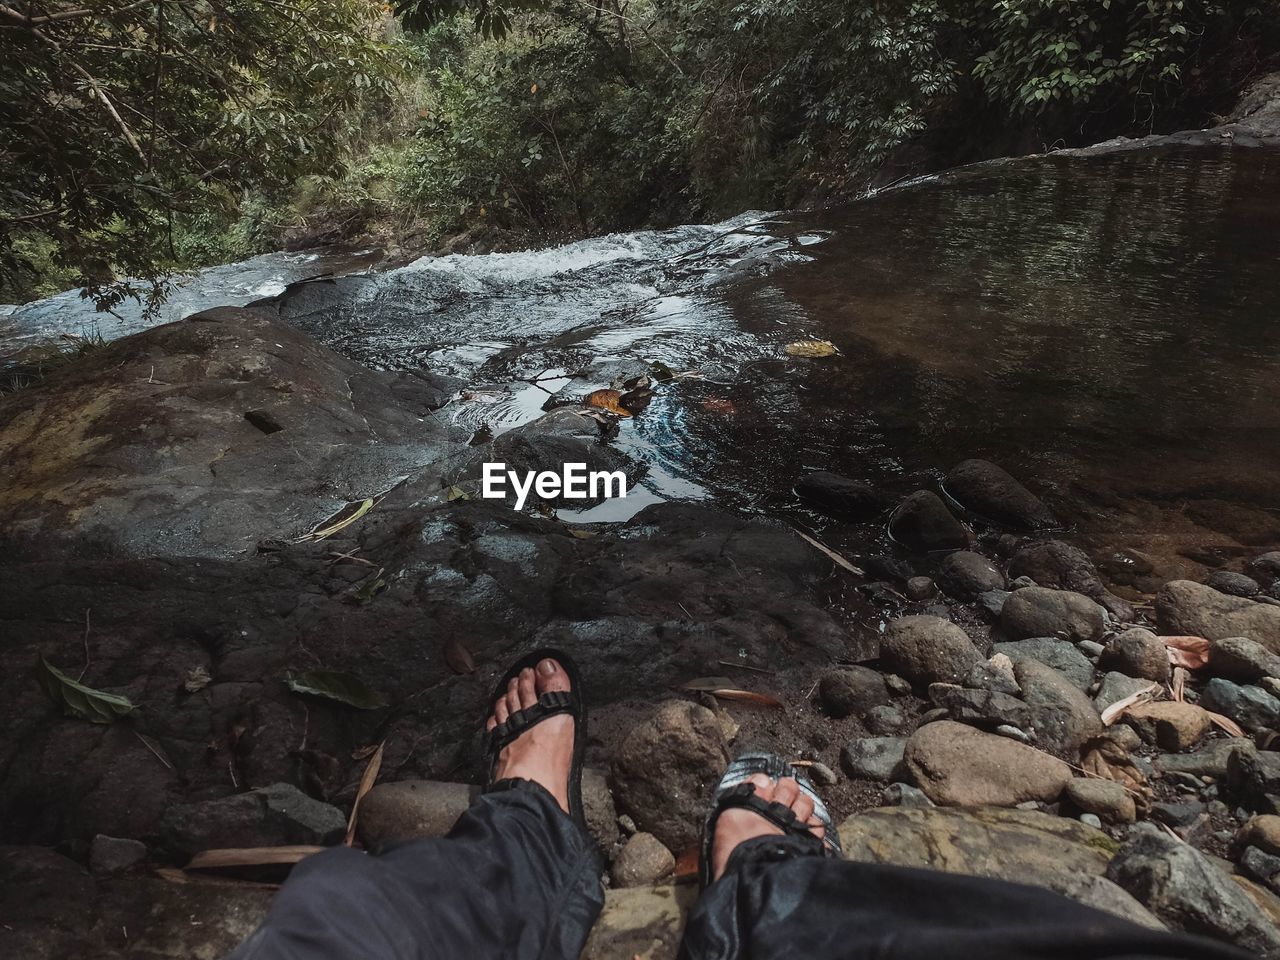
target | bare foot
x=738, y=823
x=544, y=752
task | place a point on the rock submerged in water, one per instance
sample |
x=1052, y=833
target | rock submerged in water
x=922, y=522
x=833, y=493
x=987, y=490
x=956, y=765
x=1063, y=566
x=1185, y=608
x=1041, y=612
x=926, y=650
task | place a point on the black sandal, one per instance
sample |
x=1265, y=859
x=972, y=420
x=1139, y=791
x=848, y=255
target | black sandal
x=734, y=791
x=551, y=703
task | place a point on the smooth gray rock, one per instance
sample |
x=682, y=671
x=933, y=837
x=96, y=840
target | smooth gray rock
x=1242, y=660
x=1185, y=889
x=873, y=758
x=833, y=493
x=1115, y=687
x=956, y=765
x=1209, y=761
x=1251, y=707
x=1105, y=798
x=1063, y=717
x=994, y=674
x=1041, y=612
x=904, y=795
x=1262, y=866
x=272, y=816
x=1062, y=655
x=884, y=720
x=927, y=650
x=964, y=574
x=983, y=708
x=1187, y=608
x=1137, y=653
x=991, y=603
x=1233, y=584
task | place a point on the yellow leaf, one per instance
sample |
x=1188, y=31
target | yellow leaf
x=534, y=88
x=811, y=348
x=608, y=400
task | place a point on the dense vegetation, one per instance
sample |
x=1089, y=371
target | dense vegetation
x=138, y=136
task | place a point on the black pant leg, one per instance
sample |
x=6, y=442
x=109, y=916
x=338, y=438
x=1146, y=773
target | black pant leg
x=515, y=879
x=771, y=906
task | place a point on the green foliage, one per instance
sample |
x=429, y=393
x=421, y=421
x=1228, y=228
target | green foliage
x=119, y=116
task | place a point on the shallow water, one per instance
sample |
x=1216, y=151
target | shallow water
x=1107, y=328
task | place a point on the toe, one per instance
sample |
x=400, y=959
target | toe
x=786, y=792
x=763, y=784
x=803, y=806
x=500, y=712
x=490, y=723
x=551, y=676
x=513, y=695
x=525, y=689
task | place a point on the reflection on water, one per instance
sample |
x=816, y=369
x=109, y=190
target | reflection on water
x=1107, y=328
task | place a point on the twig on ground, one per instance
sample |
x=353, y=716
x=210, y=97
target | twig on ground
x=86, y=646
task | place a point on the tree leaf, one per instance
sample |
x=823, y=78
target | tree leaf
x=80, y=701
x=748, y=696
x=1189, y=652
x=458, y=657
x=1114, y=712
x=335, y=685
x=249, y=856
x=609, y=400
x=811, y=349
x=366, y=784
x=197, y=679
x=1225, y=723
x=457, y=493
x=339, y=521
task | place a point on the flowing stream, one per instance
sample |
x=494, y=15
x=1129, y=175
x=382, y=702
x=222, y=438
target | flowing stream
x=1107, y=328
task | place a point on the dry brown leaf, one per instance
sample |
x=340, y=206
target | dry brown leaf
x=174, y=875
x=811, y=349
x=708, y=684
x=1189, y=652
x=721, y=405
x=458, y=657
x=1178, y=685
x=1106, y=759
x=832, y=555
x=748, y=696
x=1114, y=712
x=249, y=856
x=1225, y=723
x=609, y=400
x=687, y=865
x=366, y=784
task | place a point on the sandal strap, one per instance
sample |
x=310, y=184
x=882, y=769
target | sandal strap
x=550, y=703
x=743, y=795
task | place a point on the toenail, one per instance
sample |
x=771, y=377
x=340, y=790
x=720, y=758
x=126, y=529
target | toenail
x=547, y=667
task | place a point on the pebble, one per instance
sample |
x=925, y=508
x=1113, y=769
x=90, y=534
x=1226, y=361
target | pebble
x=1013, y=733
x=643, y=860
x=1090, y=648
x=897, y=685
x=904, y=795
x=1234, y=584
x=920, y=588
x=1092, y=820
x=1021, y=583
x=627, y=825
x=884, y=720
x=822, y=775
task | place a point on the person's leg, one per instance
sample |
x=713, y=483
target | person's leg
x=515, y=879
x=771, y=901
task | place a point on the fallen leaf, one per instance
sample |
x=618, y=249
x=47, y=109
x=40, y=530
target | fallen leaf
x=634, y=401
x=366, y=784
x=457, y=493
x=1225, y=723
x=610, y=400
x=197, y=679
x=832, y=555
x=1106, y=759
x=458, y=657
x=721, y=405
x=1189, y=652
x=687, y=865
x=747, y=696
x=77, y=700
x=249, y=857
x=810, y=349
x=1178, y=685
x=339, y=521
x=533, y=88
x=335, y=685
x=364, y=592
x=1114, y=712
x=707, y=684
x=582, y=533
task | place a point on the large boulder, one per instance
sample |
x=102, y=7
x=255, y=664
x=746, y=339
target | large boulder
x=1186, y=890
x=923, y=522
x=986, y=489
x=1137, y=652
x=1187, y=608
x=204, y=436
x=277, y=815
x=1015, y=845
x=666, y=768
x=928, y=650
x=1242, y=660
x=956, y=765
x=1041, y=612
x=401, y=810
x=1063, y=566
